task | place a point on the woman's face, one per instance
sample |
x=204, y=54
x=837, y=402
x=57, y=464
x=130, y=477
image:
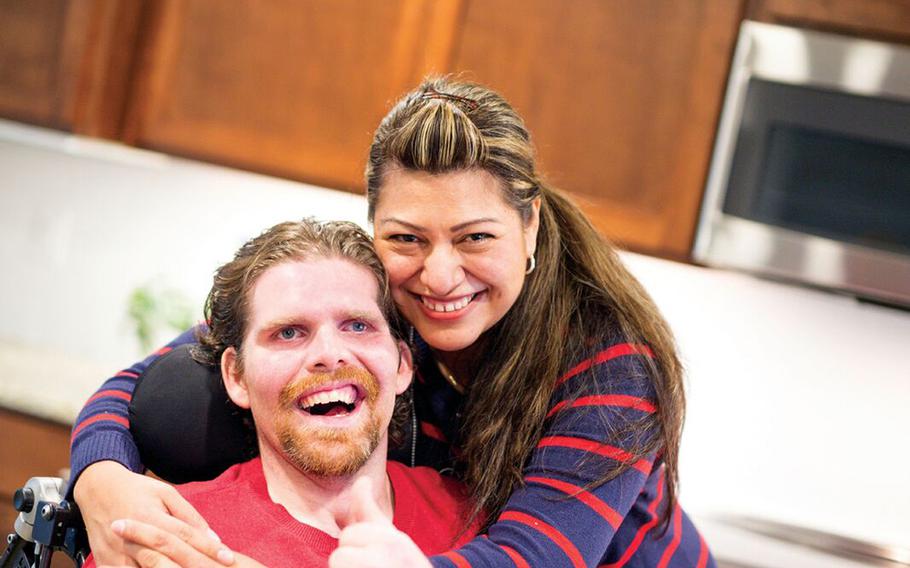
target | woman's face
x=455, y=251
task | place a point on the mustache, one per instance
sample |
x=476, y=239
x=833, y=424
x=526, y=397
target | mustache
x=365, y=381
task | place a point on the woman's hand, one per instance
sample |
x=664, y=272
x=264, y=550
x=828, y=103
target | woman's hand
x=107, y=491
x=370, y=540
x=176, y=545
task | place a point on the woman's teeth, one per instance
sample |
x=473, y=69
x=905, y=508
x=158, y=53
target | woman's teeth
x=447, y=306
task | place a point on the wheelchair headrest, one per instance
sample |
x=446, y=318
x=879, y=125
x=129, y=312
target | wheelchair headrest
x=184, y=424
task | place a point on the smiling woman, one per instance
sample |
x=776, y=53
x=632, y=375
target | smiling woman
x=455, y=265
x=549, y=378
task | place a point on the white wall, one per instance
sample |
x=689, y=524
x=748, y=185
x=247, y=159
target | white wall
x=84, y=223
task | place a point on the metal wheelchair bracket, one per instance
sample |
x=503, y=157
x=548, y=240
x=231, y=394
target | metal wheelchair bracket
x=46, y=523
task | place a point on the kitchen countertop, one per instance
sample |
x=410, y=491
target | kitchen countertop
x=796, y=403
x=45, y=383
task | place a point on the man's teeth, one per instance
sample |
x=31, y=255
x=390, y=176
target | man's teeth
x=446, y=306
x=345, y=395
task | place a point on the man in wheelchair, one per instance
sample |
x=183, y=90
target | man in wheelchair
x=320, y=380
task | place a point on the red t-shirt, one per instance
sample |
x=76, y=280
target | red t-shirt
x=429, y=507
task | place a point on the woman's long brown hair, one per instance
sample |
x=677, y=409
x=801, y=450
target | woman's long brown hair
x=579, y=291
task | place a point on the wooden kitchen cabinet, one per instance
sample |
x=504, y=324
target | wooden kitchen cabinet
x=884, y=20
x=622, y=99
x=66, y=64
x=289, y=87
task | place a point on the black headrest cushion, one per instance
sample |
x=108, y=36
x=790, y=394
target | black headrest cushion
x=184, y=424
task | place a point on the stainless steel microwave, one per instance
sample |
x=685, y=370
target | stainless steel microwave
x=810, y=175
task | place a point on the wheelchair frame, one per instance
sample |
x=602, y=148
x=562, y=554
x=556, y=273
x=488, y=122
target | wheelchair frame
x=47, y=523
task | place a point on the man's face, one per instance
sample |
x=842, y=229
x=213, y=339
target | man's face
x=320, y=369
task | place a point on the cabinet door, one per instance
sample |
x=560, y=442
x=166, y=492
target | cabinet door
x=65, y=63
x=622, y=98
x=290, y=87
x=886, y=20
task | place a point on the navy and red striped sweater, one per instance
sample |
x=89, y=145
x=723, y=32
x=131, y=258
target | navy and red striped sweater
x=557, y=519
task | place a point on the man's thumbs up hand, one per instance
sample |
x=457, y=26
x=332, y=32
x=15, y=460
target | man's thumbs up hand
x=370, y=540
x=364, y=508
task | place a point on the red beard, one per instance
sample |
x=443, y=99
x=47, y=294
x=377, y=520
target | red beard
x=327, y=451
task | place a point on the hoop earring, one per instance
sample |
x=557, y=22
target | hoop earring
x=532, y=264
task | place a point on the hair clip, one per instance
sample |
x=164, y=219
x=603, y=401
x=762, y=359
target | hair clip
x=434, y=94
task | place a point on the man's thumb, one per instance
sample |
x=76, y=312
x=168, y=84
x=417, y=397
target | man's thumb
x=364, y=508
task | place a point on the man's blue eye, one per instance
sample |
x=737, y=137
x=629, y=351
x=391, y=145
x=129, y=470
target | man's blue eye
x=288, y=333
x=358, y=326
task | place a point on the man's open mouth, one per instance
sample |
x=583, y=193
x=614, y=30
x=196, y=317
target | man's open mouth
x=336, y=401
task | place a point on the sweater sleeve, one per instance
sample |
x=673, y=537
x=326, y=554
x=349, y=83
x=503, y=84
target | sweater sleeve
x=562, y=517
x=102, y=429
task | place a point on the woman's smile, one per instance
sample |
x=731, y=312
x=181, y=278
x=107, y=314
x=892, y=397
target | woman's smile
x=447, y=309
x=455, y=252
